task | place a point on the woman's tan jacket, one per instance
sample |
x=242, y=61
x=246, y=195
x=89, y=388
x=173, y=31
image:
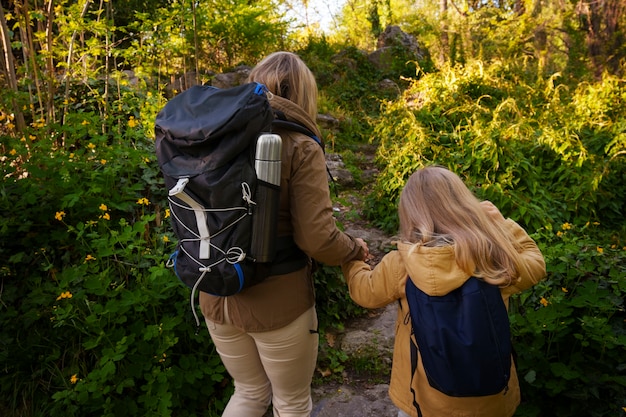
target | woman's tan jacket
x=434, y=271
x=305, y=214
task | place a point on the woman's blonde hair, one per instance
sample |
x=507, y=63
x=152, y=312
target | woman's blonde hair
x=287, y=76
x=436, y=207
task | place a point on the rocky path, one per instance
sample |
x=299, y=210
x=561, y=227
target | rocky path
x=361, y=397
x=369, y=337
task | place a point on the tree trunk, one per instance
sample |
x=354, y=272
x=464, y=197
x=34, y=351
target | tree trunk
x=10, y=71
x=50, y=110
x=443, y=9
x=601, y=21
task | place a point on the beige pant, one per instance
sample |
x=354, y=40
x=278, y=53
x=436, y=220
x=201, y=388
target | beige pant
x=274, y=366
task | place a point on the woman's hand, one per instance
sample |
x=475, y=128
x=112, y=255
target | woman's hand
x=366, y=251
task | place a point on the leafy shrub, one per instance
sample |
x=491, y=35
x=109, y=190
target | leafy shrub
x=570, y=330
x=92, y=322
x=543, y=152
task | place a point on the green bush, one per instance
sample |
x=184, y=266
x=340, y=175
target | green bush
x=544, y=153
x=92, y=323
x=570, y=330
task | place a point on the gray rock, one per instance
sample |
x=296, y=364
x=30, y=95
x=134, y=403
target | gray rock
x=351, y=402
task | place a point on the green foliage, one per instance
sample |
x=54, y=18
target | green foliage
x=570, y=330
x=350, y=87
x=544, y=153
x=92, y=323
x=333, y=302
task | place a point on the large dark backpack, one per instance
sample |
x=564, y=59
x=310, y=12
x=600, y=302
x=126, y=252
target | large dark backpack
x=205, y=145
x=463, y=338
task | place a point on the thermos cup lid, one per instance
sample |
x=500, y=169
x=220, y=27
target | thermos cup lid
x=269, y=147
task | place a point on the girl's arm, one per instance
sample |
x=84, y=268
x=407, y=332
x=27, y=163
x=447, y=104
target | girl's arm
x=375, y=288
x=532, y=267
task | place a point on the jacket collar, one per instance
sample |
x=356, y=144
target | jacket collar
x=294, y=113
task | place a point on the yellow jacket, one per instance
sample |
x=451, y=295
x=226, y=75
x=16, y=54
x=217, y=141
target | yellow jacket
x=434, y=271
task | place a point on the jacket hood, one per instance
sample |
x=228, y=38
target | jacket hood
x=294, y=113
x=432, y=269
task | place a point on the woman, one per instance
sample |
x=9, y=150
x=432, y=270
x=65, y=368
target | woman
x=267, y=335
x=448, y=236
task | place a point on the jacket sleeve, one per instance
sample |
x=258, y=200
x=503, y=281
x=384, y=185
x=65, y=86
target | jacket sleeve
x=314, y=227
x=375, y=288
x=532, y=268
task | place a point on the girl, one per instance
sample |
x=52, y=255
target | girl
x=448, y=235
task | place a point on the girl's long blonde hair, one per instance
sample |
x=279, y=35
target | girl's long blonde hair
x=287, y=76
x=436, y=206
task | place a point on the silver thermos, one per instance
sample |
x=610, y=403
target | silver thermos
x=265, y=220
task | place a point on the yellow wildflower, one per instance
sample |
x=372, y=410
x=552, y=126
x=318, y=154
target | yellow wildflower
x=167, y=214
x=599, y=249
x=71, y=155
x=85, y=122
x=74, y=379
x=143, y=201
x=59, y=215
x=166, y=239
x=559, y=233
x=103, y=207
x=103, y=161
x=106, y=216
x=564, y=289
x=89, y=258
x=566, y=226
x=91, y=146
x=12, y=152
x=544, y=302
x=31, y=137
x=132, y=122
x=65, y=294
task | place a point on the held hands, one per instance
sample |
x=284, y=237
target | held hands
x=492, y=211
x=366, y=251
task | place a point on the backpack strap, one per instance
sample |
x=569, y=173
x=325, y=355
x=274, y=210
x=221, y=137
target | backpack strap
x=281, y=121
x=414, y=353
x=289, y=258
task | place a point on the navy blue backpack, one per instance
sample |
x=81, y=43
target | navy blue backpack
x=463, y=338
